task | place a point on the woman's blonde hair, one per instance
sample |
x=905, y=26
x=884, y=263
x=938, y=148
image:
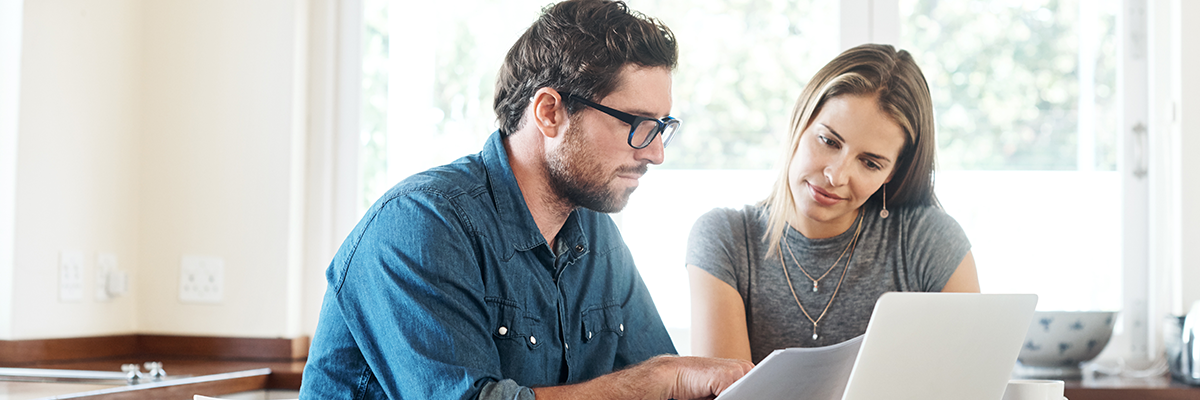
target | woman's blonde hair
x=892, y=76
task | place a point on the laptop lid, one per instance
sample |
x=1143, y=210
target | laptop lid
x=940, y=346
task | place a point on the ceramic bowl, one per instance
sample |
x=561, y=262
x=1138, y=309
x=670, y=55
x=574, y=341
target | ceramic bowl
x=1058, y=341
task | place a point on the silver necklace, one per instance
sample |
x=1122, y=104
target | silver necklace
x=816, y=281
x=853, y=244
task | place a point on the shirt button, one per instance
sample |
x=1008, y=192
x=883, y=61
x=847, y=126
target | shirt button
x=567, y=346
x=579, y=248
x=532, y=340
x=622, y=327
x=502, y=331
x=589, y=334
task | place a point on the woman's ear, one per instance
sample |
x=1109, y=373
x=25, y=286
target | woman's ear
x=549, y=112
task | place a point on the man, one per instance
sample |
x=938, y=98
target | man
x=497, y=276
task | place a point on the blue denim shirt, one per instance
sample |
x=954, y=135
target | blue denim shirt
x=447, y=290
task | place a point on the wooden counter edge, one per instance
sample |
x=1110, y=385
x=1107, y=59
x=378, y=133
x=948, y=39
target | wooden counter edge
x=214, y=385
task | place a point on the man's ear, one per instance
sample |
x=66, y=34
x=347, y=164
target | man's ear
x=549, y=112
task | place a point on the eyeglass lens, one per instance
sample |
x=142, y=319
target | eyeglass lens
x=644, y=133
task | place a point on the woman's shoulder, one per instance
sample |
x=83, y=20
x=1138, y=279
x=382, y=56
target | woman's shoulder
x=730, y=221
x=926, y=217
x=727, y=216
x=723, y=237
x=923, y=212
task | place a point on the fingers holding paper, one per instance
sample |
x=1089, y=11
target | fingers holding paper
x=659, y=378
x=703, y=377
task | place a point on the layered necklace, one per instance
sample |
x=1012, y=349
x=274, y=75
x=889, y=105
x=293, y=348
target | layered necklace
x=849, y=249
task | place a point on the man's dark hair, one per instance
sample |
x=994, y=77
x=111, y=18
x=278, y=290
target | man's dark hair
x=578, y=47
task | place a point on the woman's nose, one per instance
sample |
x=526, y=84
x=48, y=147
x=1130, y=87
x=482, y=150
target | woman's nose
x=836, y=172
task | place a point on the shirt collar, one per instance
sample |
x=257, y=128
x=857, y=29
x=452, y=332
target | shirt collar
x=516, y=222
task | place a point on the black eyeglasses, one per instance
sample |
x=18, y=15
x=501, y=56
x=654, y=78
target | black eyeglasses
x=642, y=129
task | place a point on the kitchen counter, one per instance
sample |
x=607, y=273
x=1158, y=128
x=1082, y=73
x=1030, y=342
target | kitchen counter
x=194, y=365
x=1120, y=388
x=218, y=366
x=185, y=378
x=181, y=388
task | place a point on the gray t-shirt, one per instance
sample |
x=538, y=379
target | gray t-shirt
x=915, y=249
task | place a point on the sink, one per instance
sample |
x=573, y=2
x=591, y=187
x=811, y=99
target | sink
x=39, y=383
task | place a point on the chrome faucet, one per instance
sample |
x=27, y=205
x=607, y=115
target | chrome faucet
x=1184, y=359
x=156, y=370
x=1189, y=348
x=133, y=372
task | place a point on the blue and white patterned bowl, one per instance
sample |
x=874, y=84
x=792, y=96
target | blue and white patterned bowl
x=1058, y=341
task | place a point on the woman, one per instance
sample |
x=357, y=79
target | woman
x=851, y=216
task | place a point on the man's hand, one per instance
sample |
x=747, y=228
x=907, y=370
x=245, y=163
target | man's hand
x=659, y=378
x=700, y=377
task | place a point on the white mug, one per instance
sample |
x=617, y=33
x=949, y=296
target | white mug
x=1034, y=389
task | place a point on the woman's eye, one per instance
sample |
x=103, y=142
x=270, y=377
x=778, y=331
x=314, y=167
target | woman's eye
x=872, y=165
x=827, y=141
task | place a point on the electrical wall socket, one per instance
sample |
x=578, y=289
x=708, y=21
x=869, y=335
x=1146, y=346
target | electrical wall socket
x=201, y=279
x=70, y=276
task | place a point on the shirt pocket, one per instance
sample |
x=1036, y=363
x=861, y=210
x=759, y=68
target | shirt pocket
x=512, y=326
x=603, y=321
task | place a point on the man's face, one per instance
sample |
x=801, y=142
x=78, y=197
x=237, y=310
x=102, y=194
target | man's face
x=594, y=167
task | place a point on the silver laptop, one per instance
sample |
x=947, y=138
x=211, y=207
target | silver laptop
x=918, y=346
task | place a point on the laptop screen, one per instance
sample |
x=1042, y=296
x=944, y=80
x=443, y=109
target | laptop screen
x=918, y=346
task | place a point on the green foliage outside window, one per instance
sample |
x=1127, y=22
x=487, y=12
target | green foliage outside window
x=742, y=64
x=1005, y=80
x=372, y=156
x=1004, y=77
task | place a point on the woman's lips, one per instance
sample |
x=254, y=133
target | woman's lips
x=823, y=197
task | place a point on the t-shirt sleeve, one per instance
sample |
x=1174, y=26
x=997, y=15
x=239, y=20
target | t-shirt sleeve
x=717, y=244
x=937, y=245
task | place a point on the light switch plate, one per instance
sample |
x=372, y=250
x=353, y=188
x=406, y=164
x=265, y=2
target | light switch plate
x=70, y=276
x=106, y=275
x=201, y=279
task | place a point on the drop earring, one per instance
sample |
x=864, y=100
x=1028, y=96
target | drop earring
x=884, y=212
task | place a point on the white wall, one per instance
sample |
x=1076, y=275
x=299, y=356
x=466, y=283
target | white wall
x=217, y=161
x=10, y=79
x=77, y=161
x=153, y=129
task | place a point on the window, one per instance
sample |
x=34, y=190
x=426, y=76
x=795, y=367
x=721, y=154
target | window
x=427, y=96
x=1025, y=98
x=1025, y=94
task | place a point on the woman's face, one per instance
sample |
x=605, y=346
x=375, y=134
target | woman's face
x=845, y=154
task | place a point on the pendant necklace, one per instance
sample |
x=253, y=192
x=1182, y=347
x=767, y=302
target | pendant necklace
x=817, y=280
x=851, y=247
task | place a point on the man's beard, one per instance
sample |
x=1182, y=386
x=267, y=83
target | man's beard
x=576, y=177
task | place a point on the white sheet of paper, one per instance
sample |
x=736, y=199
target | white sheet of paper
x=809, y=373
